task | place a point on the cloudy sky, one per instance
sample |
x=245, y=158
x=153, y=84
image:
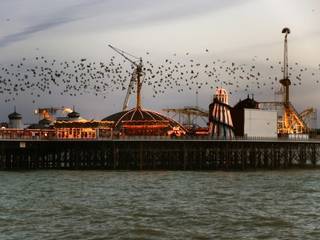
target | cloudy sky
x=232, y=29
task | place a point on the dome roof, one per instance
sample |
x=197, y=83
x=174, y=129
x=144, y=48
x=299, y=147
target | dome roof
x=222, y=95
x=15, y=116
x=140, y=115
x=45, y=122
x=221, y=91
x=73, y=114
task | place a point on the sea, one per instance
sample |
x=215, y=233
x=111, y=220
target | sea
x=94, y=205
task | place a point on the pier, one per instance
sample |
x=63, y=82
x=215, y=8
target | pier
x=141, y=153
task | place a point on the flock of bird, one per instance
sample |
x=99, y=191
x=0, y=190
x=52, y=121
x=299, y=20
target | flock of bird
x=41, y=76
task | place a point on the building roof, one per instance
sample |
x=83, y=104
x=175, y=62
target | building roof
x=237, y=113
x=74, y=114
x=247, y=103
x=15, y=116
x=222, y=95
x=140, y=116
x=84, y=124
x=45, y=122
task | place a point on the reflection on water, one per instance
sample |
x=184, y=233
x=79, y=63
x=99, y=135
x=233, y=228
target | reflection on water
x=159, y=205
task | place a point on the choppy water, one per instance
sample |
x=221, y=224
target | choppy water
x=159, y=205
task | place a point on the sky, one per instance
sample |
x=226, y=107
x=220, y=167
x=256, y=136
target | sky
x=236, y=30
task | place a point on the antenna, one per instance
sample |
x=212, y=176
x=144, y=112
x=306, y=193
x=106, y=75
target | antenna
x=197, y=99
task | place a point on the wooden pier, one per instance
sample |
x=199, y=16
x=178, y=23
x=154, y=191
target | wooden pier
x=158, y=154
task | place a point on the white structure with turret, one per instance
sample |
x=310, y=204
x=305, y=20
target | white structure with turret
x=15, y=120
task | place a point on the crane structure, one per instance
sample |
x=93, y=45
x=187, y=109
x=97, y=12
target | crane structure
x=290, y=122
x=188, y=116
x=136, y=77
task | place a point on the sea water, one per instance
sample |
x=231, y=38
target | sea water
x=159, y=205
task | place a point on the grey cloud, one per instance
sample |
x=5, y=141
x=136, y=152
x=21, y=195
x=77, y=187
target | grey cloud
x=59, y=18
x=121, y=13
x=9, y=39
x=191, y=8
x=124, y=13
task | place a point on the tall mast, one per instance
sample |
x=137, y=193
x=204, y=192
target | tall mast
x=285, y=81
x=285, y=55
x=139, y=84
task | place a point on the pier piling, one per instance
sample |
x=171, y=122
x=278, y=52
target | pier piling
x=157, y=154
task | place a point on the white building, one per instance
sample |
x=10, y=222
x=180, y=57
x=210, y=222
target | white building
x=260, y=123
x=15, y=120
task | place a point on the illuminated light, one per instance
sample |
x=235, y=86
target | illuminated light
x=145, y=126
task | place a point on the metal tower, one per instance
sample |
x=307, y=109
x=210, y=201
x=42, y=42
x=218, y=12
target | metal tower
x=286, y=81
x=291, y=122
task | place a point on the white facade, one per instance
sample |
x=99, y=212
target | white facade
x=16, y=123
x=260, y=123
